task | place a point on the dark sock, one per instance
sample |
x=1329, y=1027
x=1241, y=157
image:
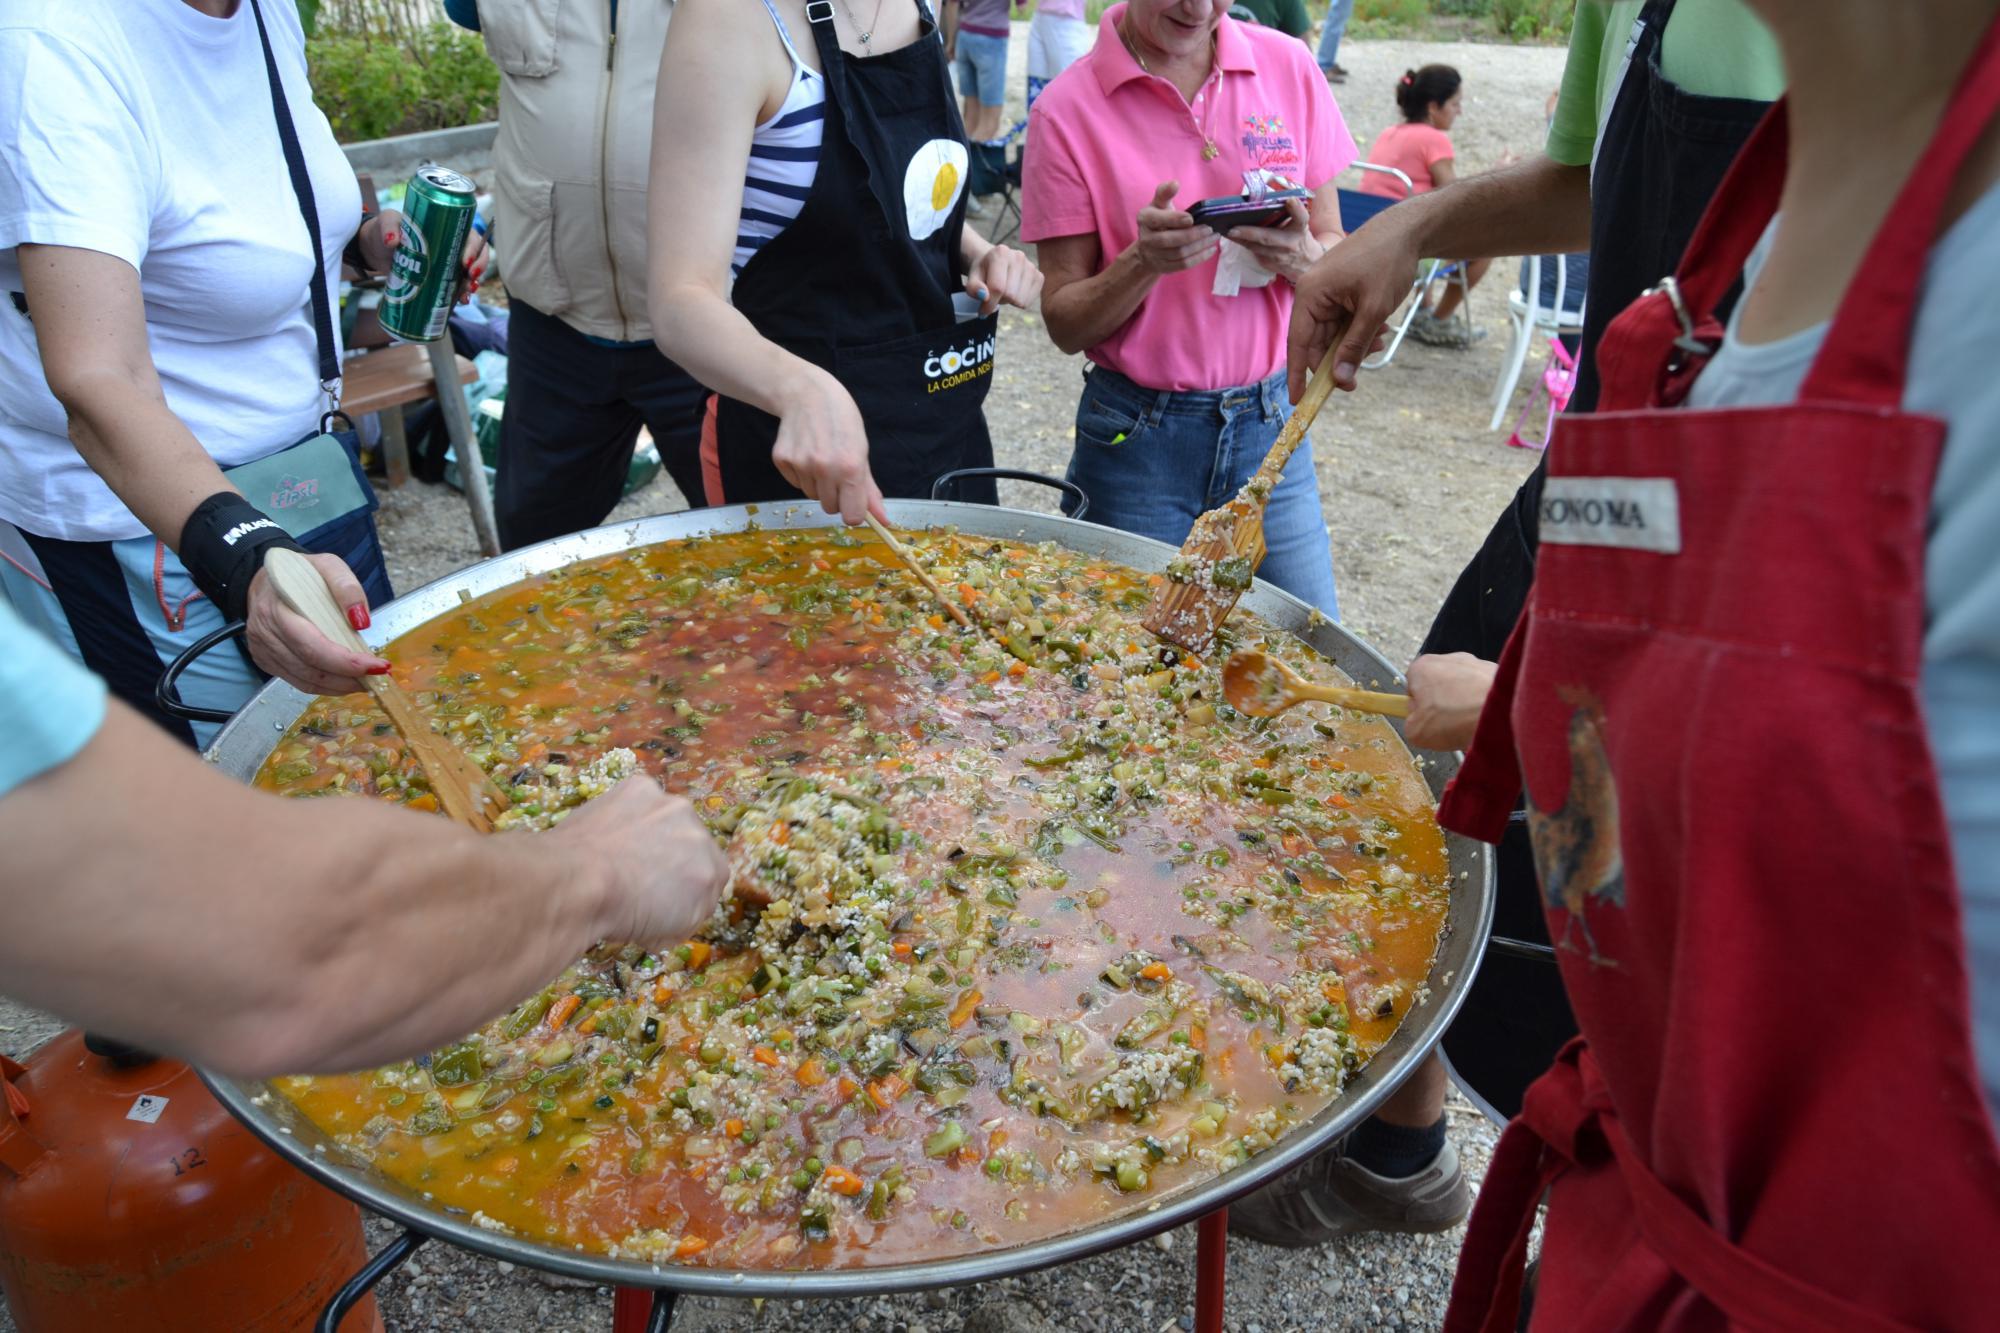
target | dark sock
x=1395, y=1151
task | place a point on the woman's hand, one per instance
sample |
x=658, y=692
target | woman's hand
x=1003, y=274
x=822, y=447
x=1169, y=241
x=285, y=644
x=381, y=233
x=1287, y=251
x=1447, y=690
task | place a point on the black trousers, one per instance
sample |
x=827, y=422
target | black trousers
x=574, y=408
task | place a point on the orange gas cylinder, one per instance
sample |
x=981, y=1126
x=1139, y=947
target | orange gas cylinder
x=131, y=1201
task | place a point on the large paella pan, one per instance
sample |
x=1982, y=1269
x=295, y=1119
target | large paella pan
x=987, y=1132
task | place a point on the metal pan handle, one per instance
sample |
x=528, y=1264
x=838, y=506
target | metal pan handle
x=167, y=694
x=1540, y=953
x=1071, y=489
x=392, y=1256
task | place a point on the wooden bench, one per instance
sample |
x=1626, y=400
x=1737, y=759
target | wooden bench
x=388, y=380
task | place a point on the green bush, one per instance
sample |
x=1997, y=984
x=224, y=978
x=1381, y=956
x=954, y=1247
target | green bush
x=1533, y=20
x=376, y=84
x=1389, y=16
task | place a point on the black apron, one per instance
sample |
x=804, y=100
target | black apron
x=851, y=287
x=1661, y=154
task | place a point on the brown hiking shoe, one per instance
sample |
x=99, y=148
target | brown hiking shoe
x=1330, y=1197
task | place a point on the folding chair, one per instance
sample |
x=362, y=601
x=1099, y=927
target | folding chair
x=993, y=169
x=1535, y=312
x=1356, y=208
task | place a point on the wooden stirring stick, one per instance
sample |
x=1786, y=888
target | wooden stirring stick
x=909, y=560
x=462, y=787
x=1226, y=544
x=1265, y=687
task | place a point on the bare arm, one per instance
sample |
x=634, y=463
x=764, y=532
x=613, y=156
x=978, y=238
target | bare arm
x=1083, y=306
x=1538, y=206
x=723, y=71
x=1443, y=172
x=90, y=322
x=154, y=899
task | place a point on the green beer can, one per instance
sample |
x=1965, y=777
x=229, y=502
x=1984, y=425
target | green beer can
x=438, y=208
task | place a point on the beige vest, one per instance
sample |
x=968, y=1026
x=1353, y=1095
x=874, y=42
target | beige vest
x=571, y=155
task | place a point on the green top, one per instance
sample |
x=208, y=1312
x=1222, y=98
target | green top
x=1287, y=16
x=1713, y=48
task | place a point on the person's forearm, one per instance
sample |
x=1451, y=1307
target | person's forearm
x=146, y=455
x=710, y=339
x=1534, y=207
x=91, y=322
x=150, y=898
x=1084, y=313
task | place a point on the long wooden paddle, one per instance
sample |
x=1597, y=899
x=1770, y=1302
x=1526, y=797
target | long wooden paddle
x=463, y=789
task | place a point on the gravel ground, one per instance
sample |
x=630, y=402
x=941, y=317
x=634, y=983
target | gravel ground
x=1411, y=480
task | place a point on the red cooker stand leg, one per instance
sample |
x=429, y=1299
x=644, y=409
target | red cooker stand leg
x=631, y=1308
x=1211, y=1269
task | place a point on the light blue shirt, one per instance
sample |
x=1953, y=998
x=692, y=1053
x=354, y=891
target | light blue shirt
x=50, y=706
x=1952, y=375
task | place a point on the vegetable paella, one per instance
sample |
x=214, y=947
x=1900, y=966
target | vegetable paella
x=1026, y=927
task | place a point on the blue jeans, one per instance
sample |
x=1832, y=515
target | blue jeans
x=1337, y=14
x=1152, y=461
x=982, y=67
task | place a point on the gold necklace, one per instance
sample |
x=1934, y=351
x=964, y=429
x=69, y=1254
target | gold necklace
x=1209, y=152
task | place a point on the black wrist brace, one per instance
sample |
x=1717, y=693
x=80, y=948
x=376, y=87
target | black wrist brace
x=223, y=545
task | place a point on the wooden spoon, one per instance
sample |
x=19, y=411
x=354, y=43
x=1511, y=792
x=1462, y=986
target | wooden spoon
x=1265, y=687
x=1226, y=544
x=904, y=554
x=462, y=787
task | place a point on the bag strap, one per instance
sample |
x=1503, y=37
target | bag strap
x=295, y=163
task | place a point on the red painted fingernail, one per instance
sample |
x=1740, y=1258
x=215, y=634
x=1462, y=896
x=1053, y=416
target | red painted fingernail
x=357, y=616
x=382, y=670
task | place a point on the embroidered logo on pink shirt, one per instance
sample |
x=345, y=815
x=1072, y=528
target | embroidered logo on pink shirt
x=1267, y=145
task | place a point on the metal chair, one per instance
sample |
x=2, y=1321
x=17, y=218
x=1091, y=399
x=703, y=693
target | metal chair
x=992, y=169
x=1532, y=317
x=1356, y=208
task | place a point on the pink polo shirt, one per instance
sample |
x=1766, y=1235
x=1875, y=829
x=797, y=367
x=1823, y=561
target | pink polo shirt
x=1105, y=134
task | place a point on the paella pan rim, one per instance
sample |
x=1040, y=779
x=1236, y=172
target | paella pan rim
x=246, y=740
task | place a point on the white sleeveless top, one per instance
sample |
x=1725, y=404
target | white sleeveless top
x=784, y=158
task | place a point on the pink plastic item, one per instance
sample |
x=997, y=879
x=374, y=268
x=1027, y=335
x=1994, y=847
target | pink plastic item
x=1558, y=382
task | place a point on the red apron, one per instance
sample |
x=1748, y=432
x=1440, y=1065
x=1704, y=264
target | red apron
x=1773, y=1119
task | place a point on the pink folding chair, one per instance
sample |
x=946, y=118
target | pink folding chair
x=1558, y=382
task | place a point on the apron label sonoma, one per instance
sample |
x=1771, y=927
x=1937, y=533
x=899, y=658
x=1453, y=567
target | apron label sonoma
x=959, y=365
x=1636, y=513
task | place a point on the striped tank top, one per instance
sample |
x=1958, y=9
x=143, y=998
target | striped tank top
x=784, y=158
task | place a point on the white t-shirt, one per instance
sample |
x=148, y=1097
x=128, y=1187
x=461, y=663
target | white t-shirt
x=143, y=129
x=1951, y=376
